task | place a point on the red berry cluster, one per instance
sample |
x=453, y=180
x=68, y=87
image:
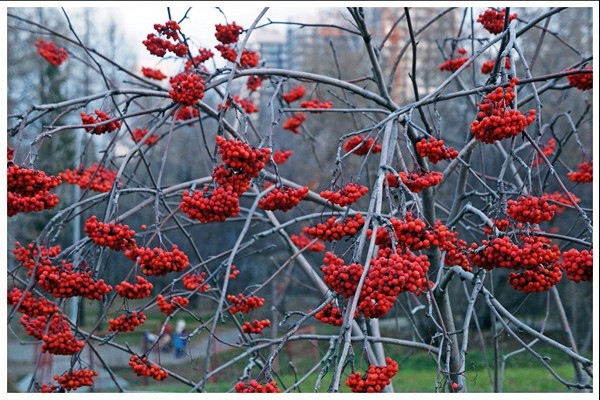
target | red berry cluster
x=435, y=150
x=254, y=82
x=114, y=236
x=75, y=379
x=583, y=174
x=55, y=333
x=126, y=323
x=502, y=225
x=95, y=177
x=158, y=46
x=140, y=290
x=256, y=326
x=562, y=200
x=138, y=134
x=345, y=196
x=341, y=278
x=582, y=81
x=186, y=113
x=30, y=305
x=302, y=241
x=453, y=64
x=316, y=104
x=294, y=122
x=375, y=379
x=255, y=387
x=495, y=120
x=546, y=150
x=282, y=198
x=186, y=89
x=51, y=52
x=488, y=66
x=331, y=315
x=281, y=156
x=216, y=207
x=449, y=243
x=247, y=105
x=295, y=94
x=33, y=257
x=330, y=230
x=578, y=265
x=100, y=129
x=227, y=52
x=168, y=307
x=248, y=59
x=530, y=209
x=233, y=272
x=203, y=55
x=63, y=282
x=493, y=21
x=501, y=252
x=360, y=146
x=418, y=181
x=536, y=279
x=153, y=73
x=228, y=34
x=195, y=281
x=157, y=261
x=29, y=190
x=244, y=304
x=238, y=180
x=242, y=157
x=143, y=367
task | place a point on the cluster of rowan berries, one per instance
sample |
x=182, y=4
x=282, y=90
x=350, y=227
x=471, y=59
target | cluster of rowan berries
x=138, y=134
x=228, y=34
x=281, y=156
x=441, y=236
x=562, y=200
x=345, y=196
x=229, y=177
x=247, y=105
x=100, y=129
x=195, y=281
x=139, y=290
x=501, y=252
x=330, y=230
x=536, y=279
x=29, y=304
x=143, y=367
x=582, y=81
x=157, y=261
x=530, y=209
x=75, y=379
x=233, y=272
x=375, y=379
x=495, y=120
x=221, y=204
x=294, y=95
x=254, y=82
x=153, y=73
x=51, y=52
x=453, y=64
x=256, y=326
x=196, y=61
x=409, y=232
x=64, y=282
x=126, y=323
x=488, y=66
x=282, y=198
x=330, y=314
x=114, y=236
x=55, y=333
x=416, y=181
x=186, y=88
x=169, y=306
x=341, y=278
x=316, y=104
x=242, y=157
x=158, y=46
x=29, y=190
x=360, y=146
x=547, y=150
x=435, y=150
x=255, y=387
x=493, y=21
x=35, y=257
x=302, y=241
x=294, y=122
x=185, y=113
x=95, y=177
x=583, y=174
x=578, y=265
x=243, y=304
x=248, y=59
